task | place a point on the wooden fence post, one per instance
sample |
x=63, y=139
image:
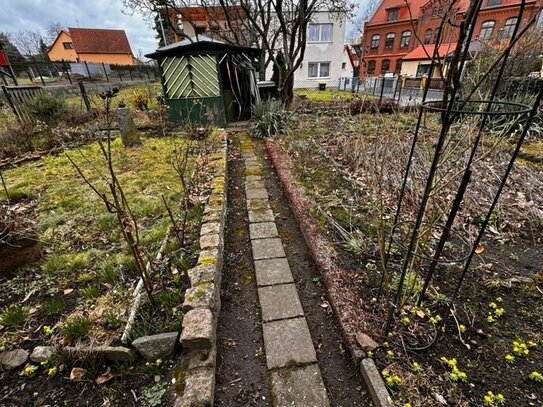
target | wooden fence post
x=38, y=70
x=88, y=72
x=84, y=95
x=66, y=71
x=105, y=73
x=10, y=102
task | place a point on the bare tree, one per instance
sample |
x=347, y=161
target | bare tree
x=279, y=27
x=354, y=36
x=52, y=31
x=26, y=41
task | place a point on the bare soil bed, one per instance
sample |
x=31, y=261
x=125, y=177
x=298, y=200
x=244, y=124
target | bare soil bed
x=498, y=311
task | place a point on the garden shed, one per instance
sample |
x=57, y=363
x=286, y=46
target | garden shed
x=207, y=81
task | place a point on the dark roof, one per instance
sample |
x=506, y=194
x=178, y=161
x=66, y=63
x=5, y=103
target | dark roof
x=199, y=44
x=100, y=41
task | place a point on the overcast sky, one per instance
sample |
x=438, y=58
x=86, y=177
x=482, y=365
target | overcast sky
x=36, y=14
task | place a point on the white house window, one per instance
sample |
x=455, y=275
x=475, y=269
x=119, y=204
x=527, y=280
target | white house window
x=392, y=14
x=318, y=70
x=510, y=24
x=319, y=32
x=406, y=37
x=486, y=30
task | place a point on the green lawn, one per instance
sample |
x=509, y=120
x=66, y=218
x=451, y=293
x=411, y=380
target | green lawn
x=83, y=246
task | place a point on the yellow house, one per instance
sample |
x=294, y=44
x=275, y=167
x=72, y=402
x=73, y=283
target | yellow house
x=92, y=45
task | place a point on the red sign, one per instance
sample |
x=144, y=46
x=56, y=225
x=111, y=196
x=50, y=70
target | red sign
x=3, y=58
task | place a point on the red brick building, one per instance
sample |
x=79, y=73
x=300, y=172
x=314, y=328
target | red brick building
x=401, y=34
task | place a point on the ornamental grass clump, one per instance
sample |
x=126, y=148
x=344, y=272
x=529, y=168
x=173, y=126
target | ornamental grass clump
x=270, y=118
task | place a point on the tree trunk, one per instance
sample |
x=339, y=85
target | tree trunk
x=287, y=89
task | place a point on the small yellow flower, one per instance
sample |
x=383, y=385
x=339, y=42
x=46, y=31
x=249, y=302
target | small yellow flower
x=509, y=358
x=492, y=305
x=490, y=319
x=462, y=328
x=158, y=362
x=52, y=371
x=536, y=376
x=416, y=367
x=29, y=369
x=499, y=312
x=499, y=299
x=47, y=330
x=390, y=354
x=405, y=321
x=370, y=354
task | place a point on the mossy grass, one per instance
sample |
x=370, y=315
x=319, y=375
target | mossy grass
x=76, y=328
x=54, y=306
x=14, y=315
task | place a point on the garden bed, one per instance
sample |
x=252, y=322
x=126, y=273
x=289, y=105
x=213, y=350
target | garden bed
x=77, y=298
x=351, y=178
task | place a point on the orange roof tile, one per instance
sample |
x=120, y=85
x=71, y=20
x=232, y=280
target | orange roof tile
x=100, y=41
x=423, y=51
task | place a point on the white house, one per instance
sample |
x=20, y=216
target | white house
x=325, y=60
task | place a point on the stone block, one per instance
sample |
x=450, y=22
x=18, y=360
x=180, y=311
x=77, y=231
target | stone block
x=263, y=230
x=261, y=216
x=155, y=347
x=210, y=228
x=210, y=241
x=12, y=359
x=201, y=358
x=198, y=329
x=374, y=383
x=254, y=185
x=267, y=248
x=273, y=271
x=301, y=386
x=201, y=274
x=208, y=257
x=288, y=343
x=198, y=388
x=113, y=353
x=252, y=178
x=256, y=193
x=200, y=296
x=279, y=302
x=258, y=204
x=42, y=354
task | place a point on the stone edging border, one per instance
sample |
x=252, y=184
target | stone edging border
x=344, y=302
x=195, y=374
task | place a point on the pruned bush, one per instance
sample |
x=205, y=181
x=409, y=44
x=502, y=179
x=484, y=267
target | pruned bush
x=270, y=118
x=17, y=136
x=45, y=108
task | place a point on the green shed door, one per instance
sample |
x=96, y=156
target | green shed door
x=191, y=77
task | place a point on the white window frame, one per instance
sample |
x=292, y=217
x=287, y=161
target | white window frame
x=320, y=32
x=319, y=67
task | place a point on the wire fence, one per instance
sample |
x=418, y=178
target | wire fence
x=403, y=91
x=59, y=73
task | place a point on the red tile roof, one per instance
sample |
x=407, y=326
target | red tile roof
x=100, y=41
x=422, y=51
x=380, y=15
x=415, y=6
x=211, y=13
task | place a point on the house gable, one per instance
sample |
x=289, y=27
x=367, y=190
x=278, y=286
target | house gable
x=60, y=50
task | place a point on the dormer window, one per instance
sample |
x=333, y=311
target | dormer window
x=393, y=14
x=68, y=45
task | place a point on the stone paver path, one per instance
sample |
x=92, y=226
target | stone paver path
x=295, y=377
